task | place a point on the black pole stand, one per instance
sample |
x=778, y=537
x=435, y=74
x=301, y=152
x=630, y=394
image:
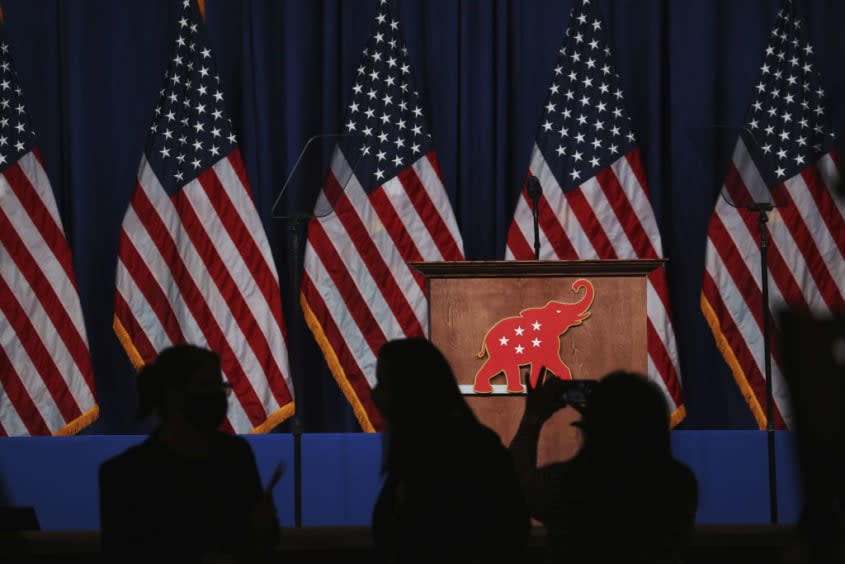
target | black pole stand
x=763, y=210
x=534, y=192
x=294, y=225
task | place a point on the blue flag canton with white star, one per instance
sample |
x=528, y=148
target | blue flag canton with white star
x=190, y=131
x=584, y=127
x=16, y=134
x=786, y=120
x=384, y=120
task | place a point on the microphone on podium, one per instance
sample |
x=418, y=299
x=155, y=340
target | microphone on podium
x=532, y=185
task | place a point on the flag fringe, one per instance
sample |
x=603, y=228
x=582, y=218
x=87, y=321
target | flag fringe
x=730, y=358
x=274, y=419
x=677, y=416
x=335, y=367
x=79, y=423
x=279, y=416
x=123, y=336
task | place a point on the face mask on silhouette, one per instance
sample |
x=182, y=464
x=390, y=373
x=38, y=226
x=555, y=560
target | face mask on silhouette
x=206, y=411
x=204, y=401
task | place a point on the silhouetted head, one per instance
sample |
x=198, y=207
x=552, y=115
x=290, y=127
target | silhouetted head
x=626, y=413
x=184, y=382
x=415, y=385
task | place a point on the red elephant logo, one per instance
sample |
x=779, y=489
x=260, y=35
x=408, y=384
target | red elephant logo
x=532, y=338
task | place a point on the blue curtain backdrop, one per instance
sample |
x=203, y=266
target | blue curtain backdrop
x=91, y=71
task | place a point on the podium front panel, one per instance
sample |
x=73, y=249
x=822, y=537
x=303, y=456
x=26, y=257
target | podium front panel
x=614, y=336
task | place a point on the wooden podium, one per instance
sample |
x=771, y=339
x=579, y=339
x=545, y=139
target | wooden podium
x=469, y=302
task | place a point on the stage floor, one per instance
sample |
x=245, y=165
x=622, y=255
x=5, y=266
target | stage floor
x=747, y=544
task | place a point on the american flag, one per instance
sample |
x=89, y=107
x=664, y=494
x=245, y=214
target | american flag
x=783, y=155
x=46, y=380
x=194, y=262
x=390, y=208
x=595, y=202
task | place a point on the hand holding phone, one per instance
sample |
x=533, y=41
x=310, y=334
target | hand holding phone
x=546, y=398
x=576, y=392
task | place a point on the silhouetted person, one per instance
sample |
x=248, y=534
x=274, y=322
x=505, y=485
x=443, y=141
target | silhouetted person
x=622, y=498
x=189, y=493
x=813, y=356
x=450, y=491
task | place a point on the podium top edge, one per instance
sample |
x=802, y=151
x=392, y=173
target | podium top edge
x=536, y=268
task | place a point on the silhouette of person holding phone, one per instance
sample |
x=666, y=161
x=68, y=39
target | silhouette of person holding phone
x=622, y=498
x=188, y=493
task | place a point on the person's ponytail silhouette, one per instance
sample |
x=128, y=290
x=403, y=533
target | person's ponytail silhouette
x=450, y=493
x=622, y=498
x=189, y=493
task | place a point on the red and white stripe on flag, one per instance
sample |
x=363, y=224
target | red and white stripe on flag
x=609, y=216
x=784, y=155
x=194, y=263
x=46, y=378
x=806, y=270
x=595, y=202
x=358, y=291
x=372, y=217
x=196, y=268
